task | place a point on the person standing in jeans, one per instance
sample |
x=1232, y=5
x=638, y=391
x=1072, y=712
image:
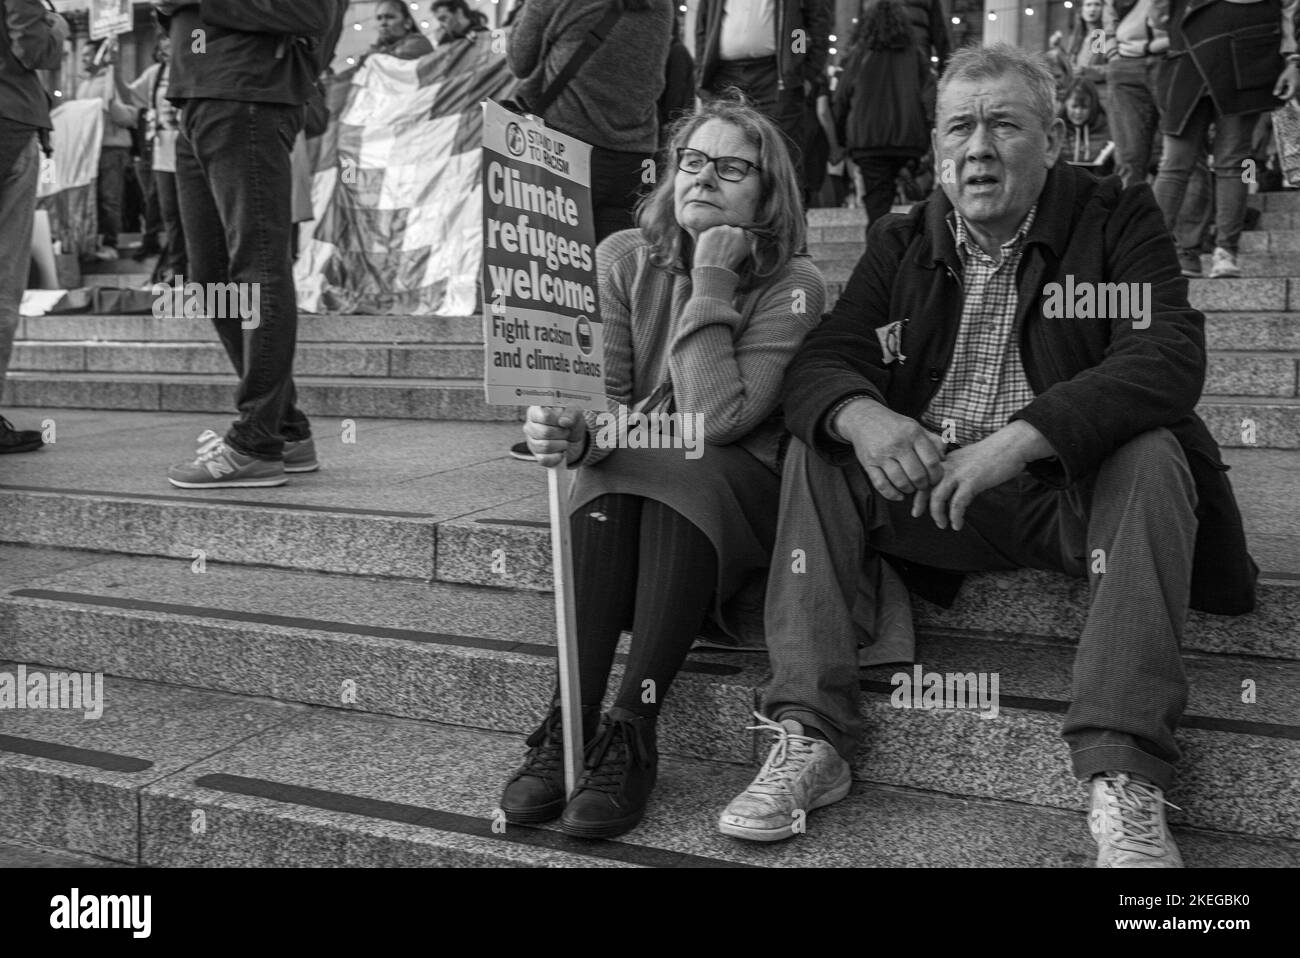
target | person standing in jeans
x=612, y=102
x=31, y=39
x=1245, y=63
x=149, y=92
x=241, y=72
x=1135, y=48
x=120, y=118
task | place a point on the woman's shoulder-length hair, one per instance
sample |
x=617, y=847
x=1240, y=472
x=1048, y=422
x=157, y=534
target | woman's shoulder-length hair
x=779, y=224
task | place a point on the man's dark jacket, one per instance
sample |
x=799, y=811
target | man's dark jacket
x=1097, y=383
x=257, y=51
x=27, y=43
x=793, y=68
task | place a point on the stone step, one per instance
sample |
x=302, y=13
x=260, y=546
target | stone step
x=173, y=777
x=360, y=360
x=413, y=398
x=408, y=502
x=1256, y=373
x=84, y=327
x=373, y=509
x=132, y=276
x=483, y=658
x=1252, y=422
x=1227, y=332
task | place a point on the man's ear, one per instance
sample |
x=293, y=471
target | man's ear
x=1055, y=140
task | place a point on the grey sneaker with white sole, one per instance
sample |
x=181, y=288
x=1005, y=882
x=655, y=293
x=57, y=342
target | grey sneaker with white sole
x=801, y=773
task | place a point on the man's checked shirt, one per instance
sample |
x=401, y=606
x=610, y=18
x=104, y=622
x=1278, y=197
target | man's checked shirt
x=986, y=383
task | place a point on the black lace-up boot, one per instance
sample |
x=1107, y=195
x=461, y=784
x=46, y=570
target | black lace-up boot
x=620, y=766
x=535, y=793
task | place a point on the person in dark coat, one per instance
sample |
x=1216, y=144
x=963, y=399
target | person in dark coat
x=1244, y=64
x=31, y=39
x=773, y=51
x=678, y=98
x=930, y=437
x=879, y=107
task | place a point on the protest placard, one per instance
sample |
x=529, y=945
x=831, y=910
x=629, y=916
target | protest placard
x=542, y=335
x=543, y=340
x=108, y=18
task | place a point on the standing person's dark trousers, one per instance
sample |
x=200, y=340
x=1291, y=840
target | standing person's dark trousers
x=1129, y=688
x=113, y=162
x=173, y=258
x=616, y=183
x=879, y=176
x=236, y=187
x=1133, y=115
x=758, y=80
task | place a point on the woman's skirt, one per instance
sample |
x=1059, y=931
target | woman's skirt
x=726, y=493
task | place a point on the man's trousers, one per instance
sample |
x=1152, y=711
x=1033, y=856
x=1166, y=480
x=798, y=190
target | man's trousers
x=1130, y=528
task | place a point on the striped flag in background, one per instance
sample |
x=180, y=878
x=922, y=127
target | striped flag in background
x=396, y=188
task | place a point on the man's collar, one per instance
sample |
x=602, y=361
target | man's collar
x=1051, y=226
x=963, y=238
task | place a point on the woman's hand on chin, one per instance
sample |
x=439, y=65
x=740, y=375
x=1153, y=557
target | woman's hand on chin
x=724, y=246
x=555, y=435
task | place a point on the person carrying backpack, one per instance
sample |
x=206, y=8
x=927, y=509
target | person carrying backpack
x=879, y=106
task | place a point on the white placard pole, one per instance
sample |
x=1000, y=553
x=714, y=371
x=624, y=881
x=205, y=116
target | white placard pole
x=566, y=632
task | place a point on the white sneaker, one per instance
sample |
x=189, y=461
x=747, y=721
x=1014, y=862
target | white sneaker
x=105, y=253
x=1127, y=818
x=801, y=773
x=1223, y=264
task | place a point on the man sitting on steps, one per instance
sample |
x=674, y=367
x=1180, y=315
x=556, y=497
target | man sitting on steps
x=1037, y=417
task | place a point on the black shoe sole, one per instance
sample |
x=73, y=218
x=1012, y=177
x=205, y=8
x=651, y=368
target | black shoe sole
x=22, y=447
x=537, y=815
x=610, y=829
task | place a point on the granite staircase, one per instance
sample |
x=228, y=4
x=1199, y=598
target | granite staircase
x=340, y=671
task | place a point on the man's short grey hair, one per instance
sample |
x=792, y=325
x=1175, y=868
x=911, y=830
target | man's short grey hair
x=999, y=59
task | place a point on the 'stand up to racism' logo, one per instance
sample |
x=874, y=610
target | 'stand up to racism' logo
x=514, y=139
x=582, y=328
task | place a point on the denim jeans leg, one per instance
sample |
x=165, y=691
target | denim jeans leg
x=1232, y=136
x=1198, y=207
x=811, y=637
x=1134, y=119
x=17, y=210
x=205, y=239
x=245, y=152
x=174, y=257
x=1179, y=159
x=113, y=161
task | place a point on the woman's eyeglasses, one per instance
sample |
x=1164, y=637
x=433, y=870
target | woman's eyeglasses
x=730, y=168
